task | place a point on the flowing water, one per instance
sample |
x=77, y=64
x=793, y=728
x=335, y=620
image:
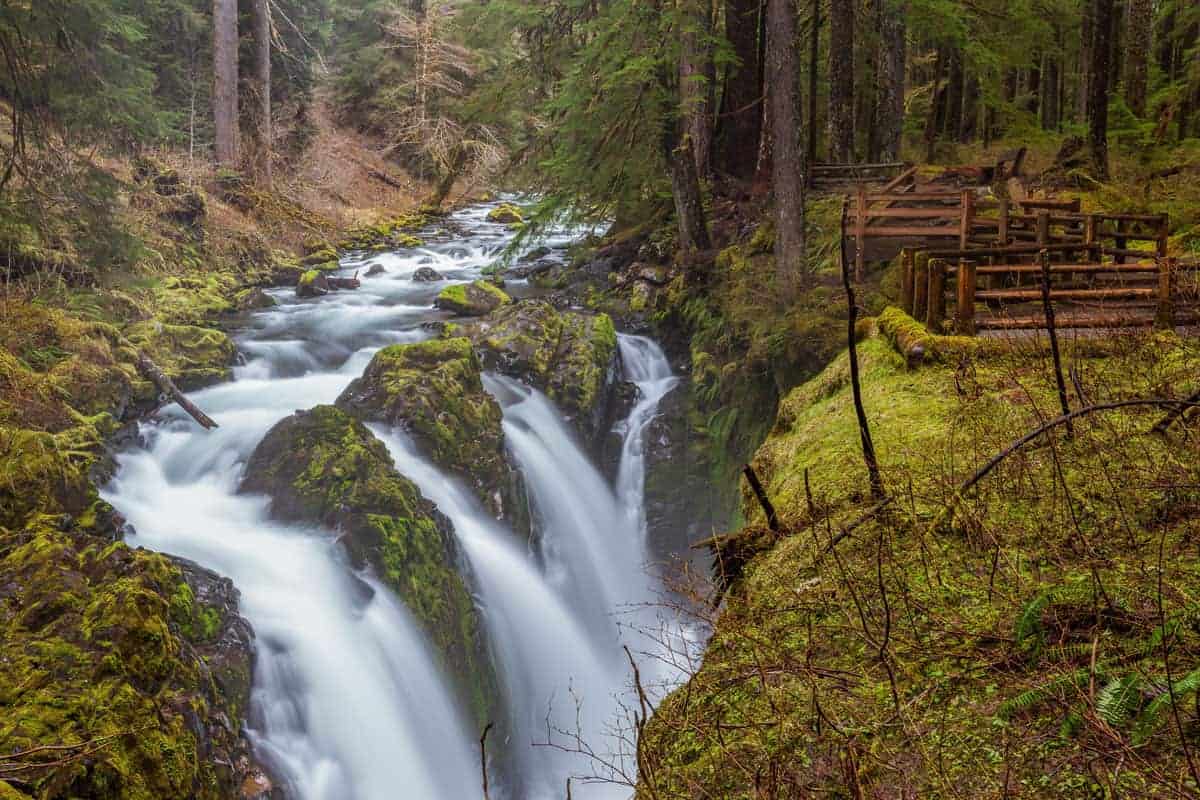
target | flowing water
x=347, y=700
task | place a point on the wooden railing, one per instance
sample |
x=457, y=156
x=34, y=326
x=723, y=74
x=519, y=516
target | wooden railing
x=1116, y=295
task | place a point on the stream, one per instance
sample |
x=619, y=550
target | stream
x=347, y=701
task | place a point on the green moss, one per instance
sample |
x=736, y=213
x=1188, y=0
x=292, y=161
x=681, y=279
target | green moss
x=307, y=278
x=324, y=466
x=506, y=214
x=192, y=356
x=472, y=299
x=991, y=612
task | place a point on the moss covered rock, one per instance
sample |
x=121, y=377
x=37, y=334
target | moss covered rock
x=324, y=466
x=434, y=390
x=506, y=214
x=312, y=284
x=192, y=356
x=571, y=356
x=393, y=234
x=472, y=299
x=139, y=666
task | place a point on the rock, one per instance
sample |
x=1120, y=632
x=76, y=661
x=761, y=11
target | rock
x=375, y=270
x=434, y=390
x=506, y=214
x=100, y=639
x=253, y=300
x=312, y=284
x=320, y=257
x=536, y=254
x=571, y=356
x=193, y=357
x=427, y=275
x=472, y=299
x=325, y=467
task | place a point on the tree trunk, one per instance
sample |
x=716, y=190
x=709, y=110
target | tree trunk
x=951, y=115
x=970, y=109
x=893, y=55
x=814, y=67
x=1141, y=27
x=225, y=82
x=1098, y=93
x=262, y=79
x=689, y=202
x=1033, y=86
x=783, y=98
x=1050, y=98
x=841, y=81
x=936, y=103
x=694, y=88
x=1087, y=35
x=740, y=130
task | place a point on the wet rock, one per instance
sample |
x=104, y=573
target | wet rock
x=569, y=355
x=427, y=275
x=537, y=254
x=434, y=391
x=312, y=284
x=253, y=300
x=324, y=466
x=192, y=356
x=472, y=299
x=135, y=643
x=376, y=270
x=506, y=214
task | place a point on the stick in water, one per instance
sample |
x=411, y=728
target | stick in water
x=168, y=388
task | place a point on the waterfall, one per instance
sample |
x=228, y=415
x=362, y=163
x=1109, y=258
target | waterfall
x=347, y=701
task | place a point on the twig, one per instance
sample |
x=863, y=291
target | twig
x=1048, y=307
x=483, y=760
x=761, y=493
x=1175, y=413
x=864, y=428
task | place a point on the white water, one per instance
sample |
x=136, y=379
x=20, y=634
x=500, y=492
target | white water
x=348, y=703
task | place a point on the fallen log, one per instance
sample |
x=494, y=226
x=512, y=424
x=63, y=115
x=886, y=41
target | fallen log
x=169, y=389
x=338, y=284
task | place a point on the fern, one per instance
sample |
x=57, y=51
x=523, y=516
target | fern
x=1156, y=711
x=1051, y=690
x=1119, y=700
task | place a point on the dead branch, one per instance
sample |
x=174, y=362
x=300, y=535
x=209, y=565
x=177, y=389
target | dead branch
x=763, y=500
x=169, y=389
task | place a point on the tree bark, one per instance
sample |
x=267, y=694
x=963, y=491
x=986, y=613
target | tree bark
x=740, y=130
x=1033, y=86
x=1050, y=98
x=814, y=67
x=893, y=56
x=936, y=103
x=262, y=80
x=1098, y=91
x=951, y=122
x=1141, y=28
x=787, y=172
x=1087, y=35
x=689, y=202
x=841, y=81
x=225, y=82
x=694, y=87
x=970, y=109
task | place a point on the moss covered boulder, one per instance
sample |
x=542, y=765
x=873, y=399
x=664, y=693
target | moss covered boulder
x=506, y=214
x=312, y=284
x=571, y=356
x=192, y=356
x=323, y=466
x=472, y=299
x=137, y=669
x=434, y=391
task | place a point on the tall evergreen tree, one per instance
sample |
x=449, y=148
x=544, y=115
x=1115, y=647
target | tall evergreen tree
x=783, y=98
x=225, y=82
x=841, y=81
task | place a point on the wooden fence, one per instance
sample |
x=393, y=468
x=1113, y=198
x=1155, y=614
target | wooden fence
x=1163, y=292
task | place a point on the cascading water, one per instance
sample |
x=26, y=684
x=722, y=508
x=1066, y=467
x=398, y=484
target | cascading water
x=347, y=701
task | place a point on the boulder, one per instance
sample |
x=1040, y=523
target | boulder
x=434, y=391
x=506, y=214
x=323, y=466
x=312, y=284
x=253, y=300
x=472, y=299
x=427, y=275
x=101, y=639
x=571, y=356
x=375, y=270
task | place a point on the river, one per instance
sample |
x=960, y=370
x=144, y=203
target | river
x=347, y=703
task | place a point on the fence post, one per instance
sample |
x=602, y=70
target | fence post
x=966, y=220
x=920, y=286
x=1122, y=227
x=1005, y=210
x=1089, y=238
x=964, y=315
x=1043, y=228
x=1167, y=272
x=1164, y=235
x=935, y=314
x=906, y=280
x=860, y=234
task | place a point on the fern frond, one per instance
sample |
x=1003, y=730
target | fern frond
x=1156, y=711
x=1051, y=690
x=1119, y=700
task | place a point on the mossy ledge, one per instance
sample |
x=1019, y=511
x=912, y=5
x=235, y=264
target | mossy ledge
x=137, y=664
x=1015, y=645
x=472, y=299
x=323, y=466
x=434, y=391
x=571, y=356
